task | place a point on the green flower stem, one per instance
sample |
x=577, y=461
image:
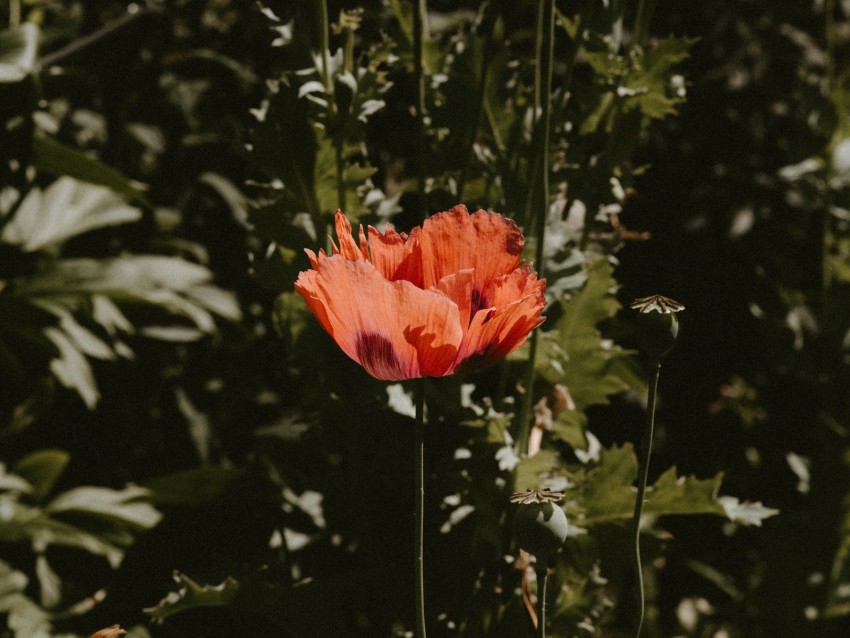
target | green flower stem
x=419, y=28
x=643, y=16
x=543, y=83
x=643, y=476
x=419, y=512
x=542, y=570
x=324, y=47
x=94, y=37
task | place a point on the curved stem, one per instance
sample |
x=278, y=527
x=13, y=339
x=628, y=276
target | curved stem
x=542, y=570
x=643, y=476
x=419, y=512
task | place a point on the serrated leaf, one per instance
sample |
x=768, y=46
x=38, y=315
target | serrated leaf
x=574, y=352
x=607, y=494
x=534, y=471
x=191, y=595
x=746, y=513
x=41, y=469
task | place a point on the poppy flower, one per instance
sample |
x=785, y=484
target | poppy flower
x=451, y=296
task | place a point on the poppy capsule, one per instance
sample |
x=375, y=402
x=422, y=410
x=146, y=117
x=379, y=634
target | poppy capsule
x=540, y=525
x=657, y=327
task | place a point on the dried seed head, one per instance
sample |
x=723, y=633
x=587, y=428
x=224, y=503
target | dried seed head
x=657, y=327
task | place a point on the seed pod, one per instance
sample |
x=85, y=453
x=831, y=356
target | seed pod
x=540, y=525
x=656, y=327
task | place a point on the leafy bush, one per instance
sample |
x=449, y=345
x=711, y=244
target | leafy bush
x=188, y=453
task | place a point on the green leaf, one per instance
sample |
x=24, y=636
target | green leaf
x=128, y=506
x=606, y=494
x=574, y=353
x=65, y=209
x=72, y=369
x=53, y=157
x=535, y=471
x=191, y=595
x=18, y=50
x=193, y=487
x=41, y=469
x=639, y=81
x=13, y=483
x=25, y=523
x=24, y=618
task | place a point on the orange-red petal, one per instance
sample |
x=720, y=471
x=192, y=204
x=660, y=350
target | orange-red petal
x=396, y=255
x=392, y=328
x=455, y=240
x=348, y=248
x=494, y=332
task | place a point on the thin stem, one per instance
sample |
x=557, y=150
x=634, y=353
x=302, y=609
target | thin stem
x=328, y=80
x=487, y=25
x=643, y=15
x=542, y=570
x=340, y=173
x=14, y=13
x=419, y=512
x=134, y=12
x=324, y=48
x=643, y=477
x=831, y=36
x=419, y=28
x=543, y=83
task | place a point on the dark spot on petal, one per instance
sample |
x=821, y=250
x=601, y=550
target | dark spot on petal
x=479, y=301
x=514, y=241
x=377, y=355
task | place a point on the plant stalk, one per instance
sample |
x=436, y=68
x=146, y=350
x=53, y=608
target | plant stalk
x=542, y=570
x=543, y=84
x=419, y=28
x=419, y=512
x=643, y=477
x=133, y=14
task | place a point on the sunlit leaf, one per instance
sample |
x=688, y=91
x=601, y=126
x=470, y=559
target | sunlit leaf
x=72, y=369
x=24, y=618
x=18, y=50
x=65, y=209
x=128, y=506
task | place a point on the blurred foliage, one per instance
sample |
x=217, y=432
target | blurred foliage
x=188, y=454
